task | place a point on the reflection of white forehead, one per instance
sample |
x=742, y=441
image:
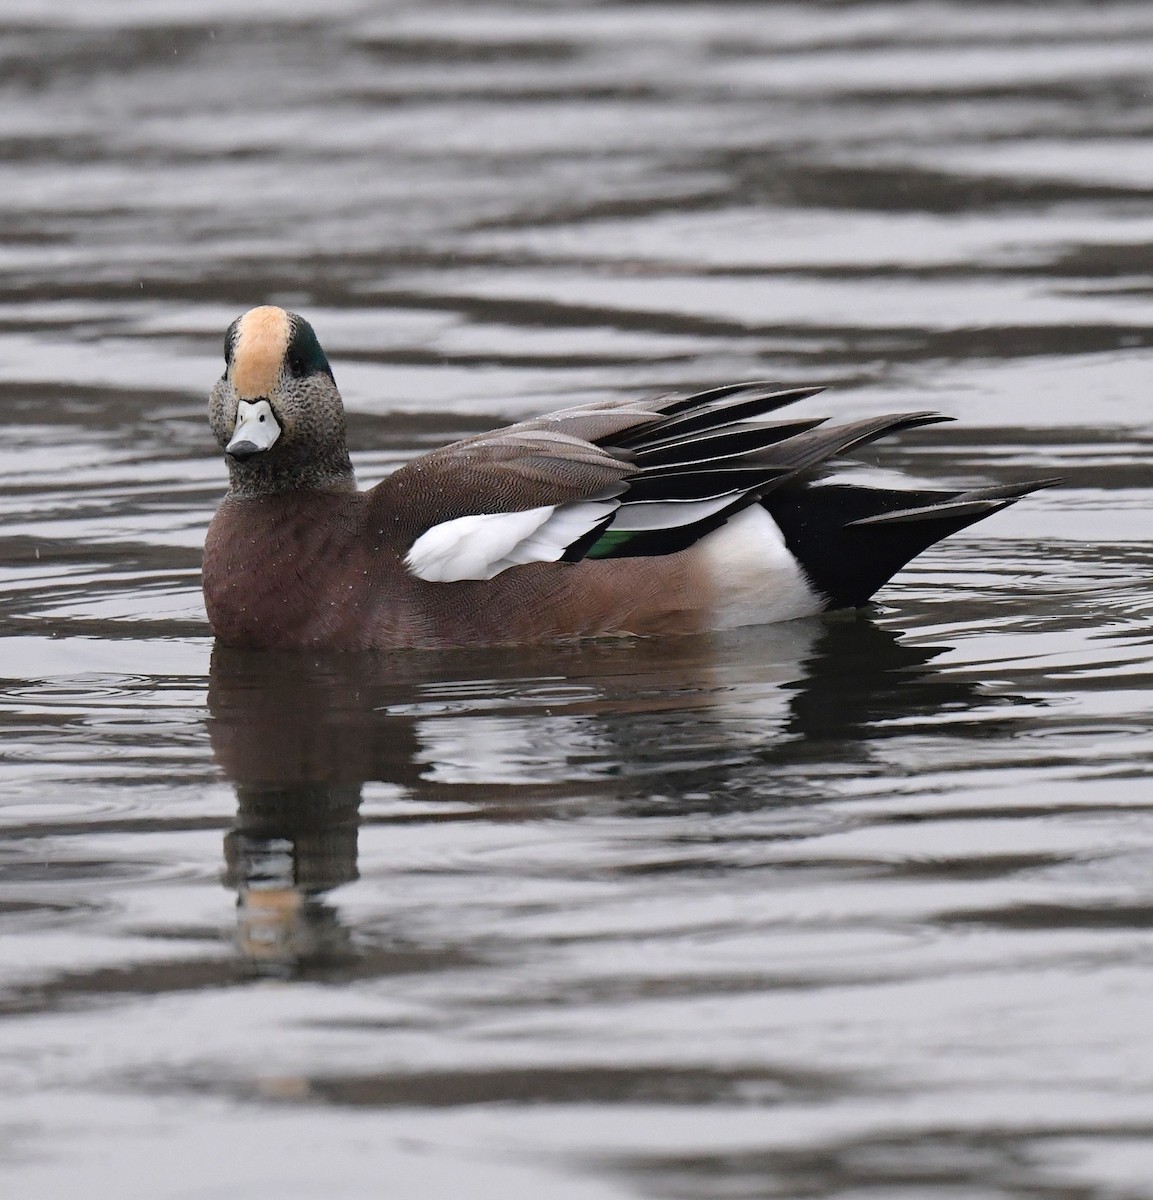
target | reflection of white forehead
x=535, y=749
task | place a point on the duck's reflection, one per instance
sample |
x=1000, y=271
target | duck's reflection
x=299, y=735
x=291, y=845
x=290, y=734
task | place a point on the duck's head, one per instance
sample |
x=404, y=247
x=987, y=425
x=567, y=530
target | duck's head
x=276, y=411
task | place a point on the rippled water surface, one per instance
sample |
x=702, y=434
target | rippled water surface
x=860, y=907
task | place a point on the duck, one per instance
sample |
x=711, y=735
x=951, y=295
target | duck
x=673, y=515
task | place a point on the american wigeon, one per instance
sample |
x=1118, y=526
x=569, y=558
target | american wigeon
x=660, y=516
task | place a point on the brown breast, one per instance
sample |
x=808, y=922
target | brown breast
x=325, y=570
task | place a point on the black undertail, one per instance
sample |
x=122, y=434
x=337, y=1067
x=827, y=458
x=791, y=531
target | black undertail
x=850, y=541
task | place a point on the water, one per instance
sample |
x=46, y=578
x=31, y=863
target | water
x=847, y=908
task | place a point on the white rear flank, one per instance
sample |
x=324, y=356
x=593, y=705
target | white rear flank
x=754, y=576
x=482, y=546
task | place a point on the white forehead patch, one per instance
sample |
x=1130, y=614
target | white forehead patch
x=261, y=342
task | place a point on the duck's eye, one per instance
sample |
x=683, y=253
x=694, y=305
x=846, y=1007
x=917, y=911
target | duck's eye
x=297, y=366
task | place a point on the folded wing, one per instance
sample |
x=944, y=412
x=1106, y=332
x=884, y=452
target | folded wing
x=624, y=479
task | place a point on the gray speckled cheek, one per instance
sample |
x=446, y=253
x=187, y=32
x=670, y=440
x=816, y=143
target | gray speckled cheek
x=312, y=415
x=222, y=411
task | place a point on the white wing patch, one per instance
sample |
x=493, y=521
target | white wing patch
x=482, y=546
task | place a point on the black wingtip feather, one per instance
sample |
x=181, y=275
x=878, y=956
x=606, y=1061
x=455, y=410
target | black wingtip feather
x=784, y=394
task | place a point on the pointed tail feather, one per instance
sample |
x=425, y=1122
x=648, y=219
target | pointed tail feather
x=850, y=541
x=976, y=503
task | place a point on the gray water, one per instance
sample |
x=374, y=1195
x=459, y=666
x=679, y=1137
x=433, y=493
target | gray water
x=851, y=908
